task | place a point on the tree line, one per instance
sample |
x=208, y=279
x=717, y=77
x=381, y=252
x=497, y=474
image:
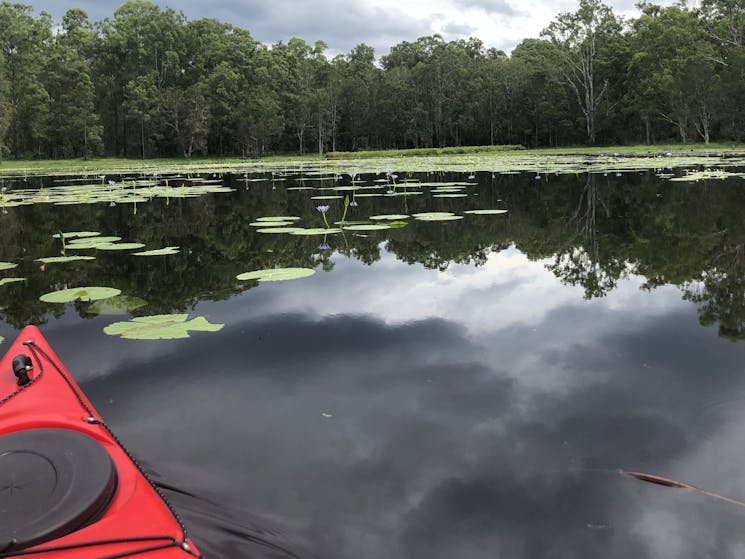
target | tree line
x=150, y=83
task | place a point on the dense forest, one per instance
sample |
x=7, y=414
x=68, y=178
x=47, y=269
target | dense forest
x=150, y=83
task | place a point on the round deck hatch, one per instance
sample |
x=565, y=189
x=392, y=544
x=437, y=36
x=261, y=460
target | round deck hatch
x=52, y=482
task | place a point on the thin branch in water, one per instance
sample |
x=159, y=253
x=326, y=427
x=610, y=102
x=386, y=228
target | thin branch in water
x=667, y=482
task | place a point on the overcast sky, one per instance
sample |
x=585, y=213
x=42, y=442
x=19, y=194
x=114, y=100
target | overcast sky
x=342, y=24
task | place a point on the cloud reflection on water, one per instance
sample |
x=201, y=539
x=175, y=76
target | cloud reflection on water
x=399, y=412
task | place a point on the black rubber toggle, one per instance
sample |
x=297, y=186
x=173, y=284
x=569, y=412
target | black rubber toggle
x=21, y=366
x=52, y=482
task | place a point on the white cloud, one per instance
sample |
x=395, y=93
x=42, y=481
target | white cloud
x=380, y=23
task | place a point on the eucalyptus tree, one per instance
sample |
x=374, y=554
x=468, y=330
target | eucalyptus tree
x=673, y=72
x=303, y=70
x=75, y=129
x=724, y=22
x=140, y=54
x=24, y=42
x=580, y=37
x=5, y=109
x=542, y=99
x=354, y=87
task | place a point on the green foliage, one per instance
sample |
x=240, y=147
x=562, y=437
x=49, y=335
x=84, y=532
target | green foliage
x=147, y=82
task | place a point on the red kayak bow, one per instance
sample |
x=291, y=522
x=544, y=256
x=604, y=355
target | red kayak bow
x=68, y=488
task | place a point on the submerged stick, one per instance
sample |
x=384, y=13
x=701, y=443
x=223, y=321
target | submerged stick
x=667, y=482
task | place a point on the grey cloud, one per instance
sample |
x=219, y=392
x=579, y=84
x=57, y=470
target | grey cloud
x=493, y=7
x=453, y=28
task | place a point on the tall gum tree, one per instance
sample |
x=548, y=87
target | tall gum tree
x=580, y=36
x=24, y=42
x=4, y=106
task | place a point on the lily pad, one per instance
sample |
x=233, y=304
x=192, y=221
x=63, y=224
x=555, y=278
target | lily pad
x=119, y=246
x=437, y=216
x=82, y=293
x=390, y=217
x=270, y=223
x=278, y=218
x=368, y=227
x=158, y=252
x=486, y=212
x=6, y=281
x=119, y=305
x=277, y=274
x=76, y=234
x=8, y=265
x=91, y=242
x=161, y=327
x=316, y=231
x=279, y=230
x=54, y=259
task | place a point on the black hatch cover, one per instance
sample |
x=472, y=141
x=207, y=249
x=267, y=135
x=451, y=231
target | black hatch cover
x=52, y=482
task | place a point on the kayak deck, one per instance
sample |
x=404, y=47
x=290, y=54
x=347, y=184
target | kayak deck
x=136, y=521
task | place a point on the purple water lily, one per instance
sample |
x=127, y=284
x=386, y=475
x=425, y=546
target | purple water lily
x=323, y=246
x=323, y=209
x=353, y=204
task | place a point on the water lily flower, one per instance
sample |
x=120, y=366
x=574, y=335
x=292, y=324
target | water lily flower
x=111, y=183
x=323, y=246
x=323, y=209
x=353, y=204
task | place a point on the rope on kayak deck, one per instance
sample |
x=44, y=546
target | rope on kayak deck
x=169, y=541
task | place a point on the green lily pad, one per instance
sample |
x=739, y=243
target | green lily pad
x=390, y=217
x=82, y=293
x=119, y=246
x=277, y=274
x=316, y=231
x=91, y=242
x=158, y=252
x=368, y=227
x=161, y=327
x=119, y=305
x=76, y=234
x=486, y=212
x=6, y=281
x=279, y=230
x=55, y=259
x=278, y=218
x=270, y=223
x=437, y=216
x=8, y=265
x=397, y=224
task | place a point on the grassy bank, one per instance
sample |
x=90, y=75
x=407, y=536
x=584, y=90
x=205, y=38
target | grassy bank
x=421, y=152
x=385, y=159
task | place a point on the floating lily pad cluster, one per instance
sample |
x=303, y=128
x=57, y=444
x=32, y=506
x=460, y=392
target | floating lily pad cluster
x=9, y=266
x=88, y=240
x=111, y=192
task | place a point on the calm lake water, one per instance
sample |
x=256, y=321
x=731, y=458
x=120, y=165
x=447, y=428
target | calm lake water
x=470, y=388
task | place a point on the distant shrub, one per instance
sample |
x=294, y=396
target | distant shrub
x=420, y=152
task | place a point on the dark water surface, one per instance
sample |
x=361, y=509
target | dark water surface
x=463, y=389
